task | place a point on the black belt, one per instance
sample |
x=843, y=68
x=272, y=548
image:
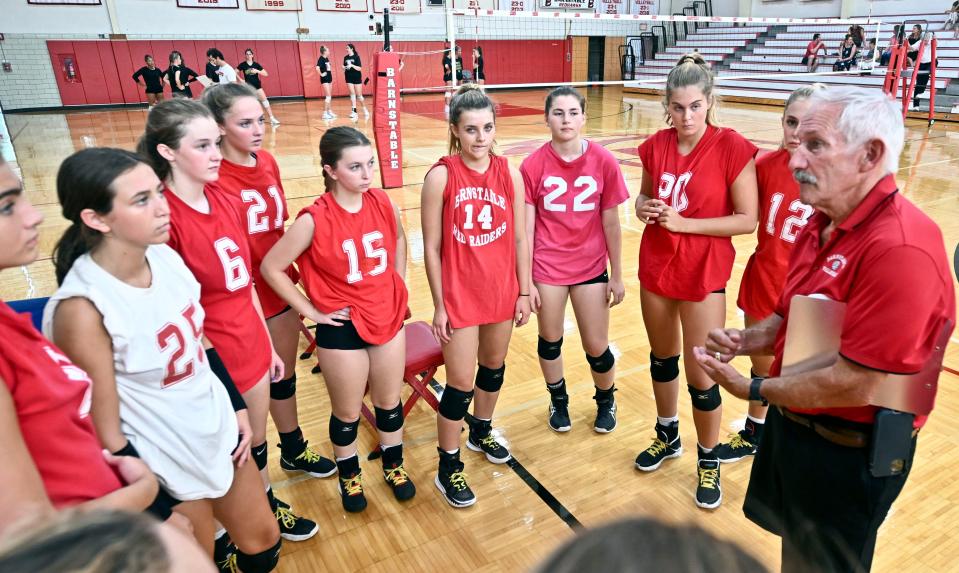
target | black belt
x=832, y=431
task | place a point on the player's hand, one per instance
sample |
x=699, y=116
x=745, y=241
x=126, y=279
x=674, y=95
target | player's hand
x=130, y=469
x=671, y=220
x=333, y=318
x=442, y=330
x=277, y=368
x=726, y=341
x=648, y=210
x=535, y=303
x=723, y=374
x=521, y=316
x=242, y=452
x=615, y=291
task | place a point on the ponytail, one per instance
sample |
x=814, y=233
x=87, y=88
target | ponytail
x=467, y=98
x=166, y=124
x=332, y=144
x=692, y=70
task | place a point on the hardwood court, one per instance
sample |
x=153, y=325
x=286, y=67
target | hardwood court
x=590, y=475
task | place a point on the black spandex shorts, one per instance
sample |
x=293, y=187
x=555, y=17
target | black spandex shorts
x=603, y=277
x=354, y=79
x=286, y=308
x=327, y=80
x=340, y=337
x=719, y=291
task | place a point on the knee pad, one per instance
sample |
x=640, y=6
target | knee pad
x=259, y=454
x=549, y=350
x=343, y=433
x=262, y=562
x=490, y=379
x=454, y=403
x=706, y=400
x=603, y=363
x=663, y=369
x=389, y=420
x=284, y=389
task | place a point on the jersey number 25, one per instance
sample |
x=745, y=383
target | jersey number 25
x=179, y=367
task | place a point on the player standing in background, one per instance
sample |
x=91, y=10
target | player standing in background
x=152, y=80
x=479, y=73
x=353, y=74
x=179, y=76
x=250, y=72
x=224, y=70
x=325, y=70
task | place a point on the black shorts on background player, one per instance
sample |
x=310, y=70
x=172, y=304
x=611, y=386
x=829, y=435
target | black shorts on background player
x=324, y=64
x=353, y=76
x=186, y=76
x=459, y=69
x=152, y=78
x=447, y=69
x=251, y=78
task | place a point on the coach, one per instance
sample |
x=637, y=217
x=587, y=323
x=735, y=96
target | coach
x=866, y=246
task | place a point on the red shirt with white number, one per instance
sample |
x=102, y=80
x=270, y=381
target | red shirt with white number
x=697, y=185
x=781, y=217
x=261, y=191
x=569, y=197
x=351, y=262
x=478, y=252
x=51, y=397
x=214, y=247
x=888, y=264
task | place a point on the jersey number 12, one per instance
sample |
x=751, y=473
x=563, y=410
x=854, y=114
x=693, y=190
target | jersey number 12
x=793, y=224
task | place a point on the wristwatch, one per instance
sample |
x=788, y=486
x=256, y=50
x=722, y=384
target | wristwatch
x=754, y=395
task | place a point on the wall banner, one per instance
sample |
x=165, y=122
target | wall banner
x=208, y=3
x=275, y=5
x=342, y=5
x=398, y=6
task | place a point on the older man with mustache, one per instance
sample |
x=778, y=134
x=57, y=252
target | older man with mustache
x=816, y=481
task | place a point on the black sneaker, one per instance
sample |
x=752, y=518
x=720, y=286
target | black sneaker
x=228, y=564
x=559, y=412
x=745, y=443
x=308, y=461
x=709, y=493
x=224, y=554
x=451, y=480
x=350, y=484
x=481, y=439
x=395, y=474
x=605, y=411
x=666, y=445
x=292, y=526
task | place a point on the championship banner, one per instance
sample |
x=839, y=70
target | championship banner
x=275, y=5
x=645, y=7
x=208, y=3
x=398, y=6
x=518, y=5
x=386, y=118
x=474, y=4
x=71, y=2
x=342, y=5
x=587, y=5
x=613, y=6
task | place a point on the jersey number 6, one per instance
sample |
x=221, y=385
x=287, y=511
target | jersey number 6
x=234, y=269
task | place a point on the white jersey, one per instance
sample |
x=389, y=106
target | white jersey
x=173, y=408
x=227, y=73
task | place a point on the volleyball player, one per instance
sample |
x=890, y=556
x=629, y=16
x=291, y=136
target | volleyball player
x=353, y=74
x=698, y=190
x=478, y=270
x=573, y=191
x=251, y=175
x=478, y=74
x=46, y=435
x=351, y=250
x=207, y=230
x=128, y=312
x=152, y=80
x=250, y=72
x=179, y=76
x=224, y=70
x=781, y=217
x=325, y=70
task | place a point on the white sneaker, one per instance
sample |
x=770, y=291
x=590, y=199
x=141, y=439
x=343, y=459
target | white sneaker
x=327, y=115
x=274, y=121
x=366, y=112
x=353, y=115
x=914, y=108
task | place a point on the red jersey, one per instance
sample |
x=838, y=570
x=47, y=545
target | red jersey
x=351, y=262
x=888, y=264
x=569, y=197
x=479, y=246
x=781, y=217
x=813, y=47
x=51, y=397
x=214, y=247
x=682, y=265
x=261, y=191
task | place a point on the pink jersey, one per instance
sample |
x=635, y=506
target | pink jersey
x=214, y=247
x=569, y=197
x=697, y=185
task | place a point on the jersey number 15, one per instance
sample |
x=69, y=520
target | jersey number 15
x=372, y=252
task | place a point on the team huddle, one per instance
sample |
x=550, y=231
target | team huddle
x=181, y=294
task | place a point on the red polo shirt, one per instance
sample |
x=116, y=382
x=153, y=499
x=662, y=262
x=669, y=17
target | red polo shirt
x=887, y=262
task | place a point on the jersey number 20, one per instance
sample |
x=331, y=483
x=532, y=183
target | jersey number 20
x=379, y=253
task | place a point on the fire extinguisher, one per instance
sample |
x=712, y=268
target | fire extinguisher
x=71, y=69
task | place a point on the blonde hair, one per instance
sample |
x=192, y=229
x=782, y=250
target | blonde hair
x=467, y=98
x=802, y=93
x=692, y=70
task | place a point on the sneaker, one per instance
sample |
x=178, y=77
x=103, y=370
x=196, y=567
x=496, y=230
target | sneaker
x=709, y=494
x=308, y=461
x=228, y=564
x=224, y=554
x=327, y=115
x=605, y=411
x=333, y=115
x=294, y=527
x=666, y=445
x=745, y=443
x=395, y=474
x=451, y=481
x=914, y=107
x=350, y=484
x=353, y=115
x=481, y=439
x=274, y=121
x=366, y=112
x=559, y=412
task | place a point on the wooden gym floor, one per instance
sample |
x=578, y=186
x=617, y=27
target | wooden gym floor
x=590, y=475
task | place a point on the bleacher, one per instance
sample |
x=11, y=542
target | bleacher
x=764, y=62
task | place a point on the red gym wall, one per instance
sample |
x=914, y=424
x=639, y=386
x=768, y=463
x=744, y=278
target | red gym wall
x=105, y=67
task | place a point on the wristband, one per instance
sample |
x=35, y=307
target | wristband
x=127, y=450
x=754, y=395
x=524, y=294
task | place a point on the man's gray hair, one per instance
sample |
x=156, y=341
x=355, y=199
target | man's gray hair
x=867, y=114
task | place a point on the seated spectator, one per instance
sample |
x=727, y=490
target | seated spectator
x=811, y=59
x=857, y=32
x=847, y=56
x=953, y=17
x=914, y=39
x=893, y=44
x=868, y=59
